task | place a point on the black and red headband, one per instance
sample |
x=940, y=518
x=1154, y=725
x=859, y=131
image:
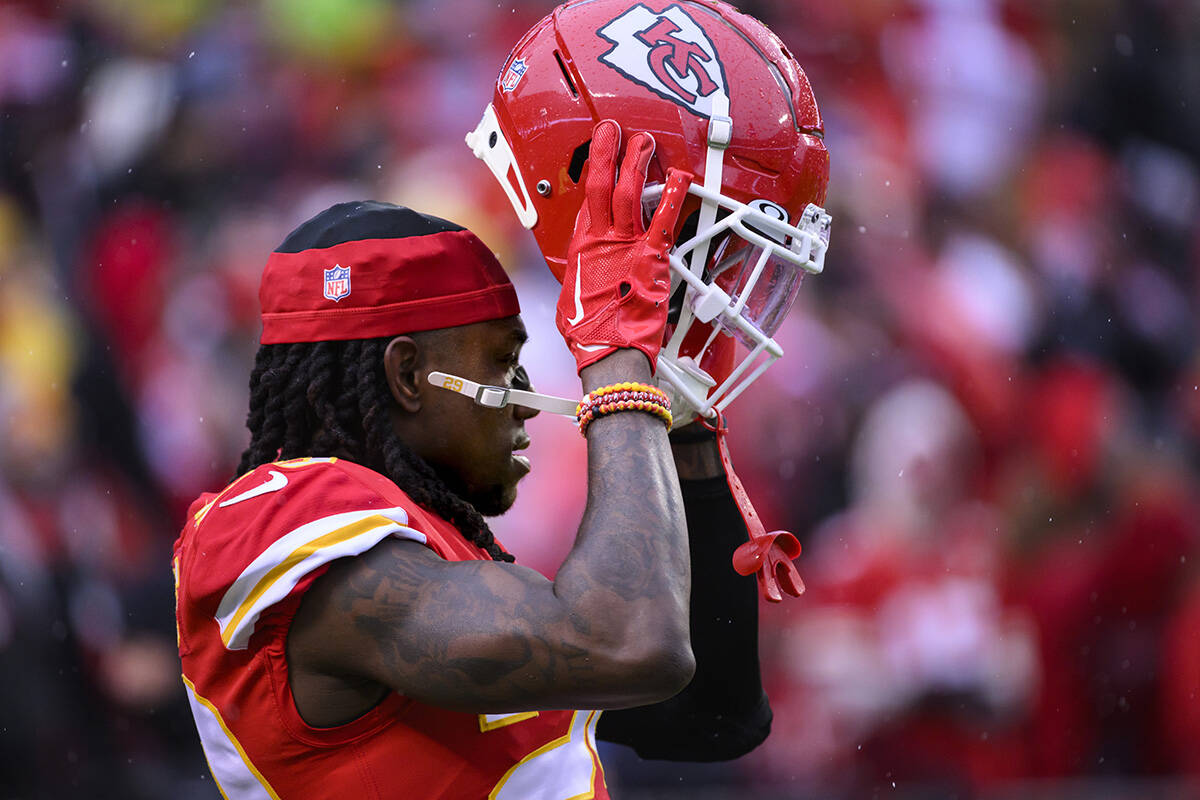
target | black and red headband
x=367, y=269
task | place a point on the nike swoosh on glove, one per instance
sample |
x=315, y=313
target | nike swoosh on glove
x=617, y=279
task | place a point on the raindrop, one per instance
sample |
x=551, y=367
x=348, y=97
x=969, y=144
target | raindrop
x=192, y=54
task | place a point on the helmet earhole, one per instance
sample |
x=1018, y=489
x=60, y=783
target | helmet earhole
x=543, y=187
x=493, y=139
x=575, y=168
x=624, y=288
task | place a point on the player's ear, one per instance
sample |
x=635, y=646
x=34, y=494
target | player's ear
x=401, y=362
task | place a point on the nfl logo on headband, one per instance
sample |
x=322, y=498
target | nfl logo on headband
x=412, y=272
x=337, y=282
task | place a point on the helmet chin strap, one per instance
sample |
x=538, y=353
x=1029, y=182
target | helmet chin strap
x=684, y=376
x=720, y=133
x=501, y=396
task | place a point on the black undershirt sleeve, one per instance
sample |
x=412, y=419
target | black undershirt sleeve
x=723, y=713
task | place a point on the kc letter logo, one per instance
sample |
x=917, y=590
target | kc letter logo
x=668, y=53
x=337, y=282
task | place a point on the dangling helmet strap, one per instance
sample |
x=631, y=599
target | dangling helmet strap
x=767, y=555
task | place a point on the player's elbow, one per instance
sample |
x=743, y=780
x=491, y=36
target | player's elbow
x=658, y=650
x=675, y=669
x=661, y=669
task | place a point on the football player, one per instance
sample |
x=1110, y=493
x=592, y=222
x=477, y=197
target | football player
x=347, y=624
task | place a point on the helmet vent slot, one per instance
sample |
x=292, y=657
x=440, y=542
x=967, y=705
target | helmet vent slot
x=566, y=74
x=752, y=165
x=575, y=168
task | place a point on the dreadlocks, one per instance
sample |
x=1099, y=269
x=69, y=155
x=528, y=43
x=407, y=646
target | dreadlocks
x=330, y=398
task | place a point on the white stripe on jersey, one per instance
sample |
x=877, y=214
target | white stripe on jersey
x=275, y=572
x=236, y=777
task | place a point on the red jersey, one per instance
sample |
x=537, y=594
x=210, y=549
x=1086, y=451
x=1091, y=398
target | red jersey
x=242, y=564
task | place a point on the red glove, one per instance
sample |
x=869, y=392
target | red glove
x=617, y=280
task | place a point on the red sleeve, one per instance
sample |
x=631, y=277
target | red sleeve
x=269, y=534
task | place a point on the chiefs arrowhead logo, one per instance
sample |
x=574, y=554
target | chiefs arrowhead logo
x=668, y=53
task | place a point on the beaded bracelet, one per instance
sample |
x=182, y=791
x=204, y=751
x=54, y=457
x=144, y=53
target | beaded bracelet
x=625, y=396
x=604, y=409
x=625, y=391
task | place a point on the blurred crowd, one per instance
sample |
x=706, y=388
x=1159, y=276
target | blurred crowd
x=985, y=430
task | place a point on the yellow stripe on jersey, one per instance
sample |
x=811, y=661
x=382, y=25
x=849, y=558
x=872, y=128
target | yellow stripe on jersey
x=202, y=513
x=295, y=557
x=296, y=463
x=276, y=571
x=175, y=572
x=231, y=768
x=489, y=722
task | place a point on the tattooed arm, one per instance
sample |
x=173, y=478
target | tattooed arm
x=610, y=631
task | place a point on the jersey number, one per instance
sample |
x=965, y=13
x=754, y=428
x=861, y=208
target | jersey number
x=568, y=763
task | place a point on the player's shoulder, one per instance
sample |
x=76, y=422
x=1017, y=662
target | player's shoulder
x=254, y=542
x=284, y=505
x=280, y=492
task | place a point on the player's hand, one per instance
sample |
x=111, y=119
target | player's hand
x=617, y=279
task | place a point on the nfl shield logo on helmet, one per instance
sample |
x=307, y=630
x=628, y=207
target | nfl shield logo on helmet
x=337, y=282
x=512, y=76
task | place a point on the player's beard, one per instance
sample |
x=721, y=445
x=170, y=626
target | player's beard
x=494, y=502
x=491, y=501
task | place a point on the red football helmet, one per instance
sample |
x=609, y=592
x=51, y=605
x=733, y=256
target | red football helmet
x=726, y=103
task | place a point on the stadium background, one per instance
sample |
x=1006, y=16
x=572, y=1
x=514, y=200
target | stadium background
x=985, y=430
